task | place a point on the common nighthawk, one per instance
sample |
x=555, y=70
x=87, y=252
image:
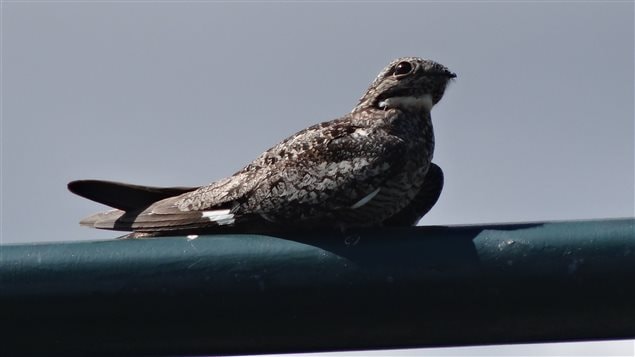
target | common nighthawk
x=370, y=167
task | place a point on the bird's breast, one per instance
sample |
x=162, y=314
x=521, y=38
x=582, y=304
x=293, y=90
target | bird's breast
x=399, y=188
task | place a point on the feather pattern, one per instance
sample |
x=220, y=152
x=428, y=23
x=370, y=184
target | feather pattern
x=357, y=170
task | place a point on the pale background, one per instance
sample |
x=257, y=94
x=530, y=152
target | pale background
x=539, y=124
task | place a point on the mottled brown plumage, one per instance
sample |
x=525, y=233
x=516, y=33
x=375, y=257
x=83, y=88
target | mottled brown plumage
x=358, y=170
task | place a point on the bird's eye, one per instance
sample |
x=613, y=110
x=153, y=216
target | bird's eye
x=403, y=68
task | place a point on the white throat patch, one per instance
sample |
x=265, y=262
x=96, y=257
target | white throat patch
x=412, y=103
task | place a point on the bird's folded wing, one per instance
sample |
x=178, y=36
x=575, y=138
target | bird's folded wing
x=290, y=181
x=123, y=196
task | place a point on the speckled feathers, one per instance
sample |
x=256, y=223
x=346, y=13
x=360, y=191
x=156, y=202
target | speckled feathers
x=358, y=170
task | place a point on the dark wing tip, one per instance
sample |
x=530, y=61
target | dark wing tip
x=123, y=196
x=80, y=187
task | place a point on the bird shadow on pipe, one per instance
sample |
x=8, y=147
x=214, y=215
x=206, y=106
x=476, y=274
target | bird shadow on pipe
x=427, y=247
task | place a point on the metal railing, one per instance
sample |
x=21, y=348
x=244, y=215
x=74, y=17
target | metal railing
x=362, y=289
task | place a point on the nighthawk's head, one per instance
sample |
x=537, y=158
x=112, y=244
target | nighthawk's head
x=407, y=83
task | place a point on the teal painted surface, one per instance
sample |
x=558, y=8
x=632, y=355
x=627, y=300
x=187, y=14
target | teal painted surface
x=406, y=287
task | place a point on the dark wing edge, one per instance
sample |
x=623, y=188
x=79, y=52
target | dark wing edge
x=123, y=196
x=425, y=199
x=129, y=201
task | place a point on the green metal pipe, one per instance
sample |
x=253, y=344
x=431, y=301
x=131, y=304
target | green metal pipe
x=363, y=289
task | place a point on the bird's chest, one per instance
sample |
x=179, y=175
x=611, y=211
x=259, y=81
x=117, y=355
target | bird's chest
x=411, y=166
x=417, y=136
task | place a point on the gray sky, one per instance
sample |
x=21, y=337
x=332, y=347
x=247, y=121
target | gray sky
x=539, y=124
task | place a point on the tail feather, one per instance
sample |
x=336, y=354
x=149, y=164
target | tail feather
x=145, y=209
x=103, y=220
x=123, y=196
x=175, y=222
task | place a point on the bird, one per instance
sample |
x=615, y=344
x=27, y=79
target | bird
x=370, y=167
